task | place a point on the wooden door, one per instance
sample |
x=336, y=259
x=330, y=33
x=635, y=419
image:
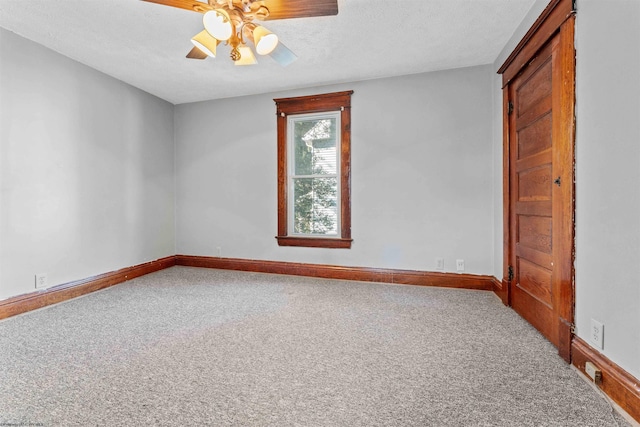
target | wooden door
x=531, y=197
x=539, y=190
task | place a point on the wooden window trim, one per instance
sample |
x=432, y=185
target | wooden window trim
x=337, y=101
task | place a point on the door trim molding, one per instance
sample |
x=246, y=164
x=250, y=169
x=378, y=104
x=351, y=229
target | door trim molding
x=547, y=24
x=564, y=167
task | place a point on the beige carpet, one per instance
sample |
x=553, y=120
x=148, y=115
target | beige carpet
x=195, y=347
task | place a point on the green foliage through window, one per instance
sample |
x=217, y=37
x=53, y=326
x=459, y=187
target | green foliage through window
x=315, y=183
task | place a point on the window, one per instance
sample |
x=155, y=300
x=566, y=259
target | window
x=314, y=170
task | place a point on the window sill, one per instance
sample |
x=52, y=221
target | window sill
x=315, y=242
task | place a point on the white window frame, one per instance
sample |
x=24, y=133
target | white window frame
x=291, y=119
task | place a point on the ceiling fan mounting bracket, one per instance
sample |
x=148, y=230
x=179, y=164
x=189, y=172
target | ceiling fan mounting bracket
x=248, y=9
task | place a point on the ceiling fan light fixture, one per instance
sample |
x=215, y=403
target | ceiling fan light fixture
x=205, y=42
x=246, y=56
x=264, y=40
x=234, y=22
x=218, y=23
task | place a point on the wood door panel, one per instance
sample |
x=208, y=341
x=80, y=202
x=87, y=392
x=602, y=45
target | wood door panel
x=535, y=184
x=535, y=62
x=535, y=112
x=541, y=158
x=541, y=208
x=534, y=89
x=535, y=232
x=540, y=258
x=536, y=314
x=535, y=280
x=535, y=138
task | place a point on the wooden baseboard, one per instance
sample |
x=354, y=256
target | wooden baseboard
x=60, y=293
x=501, y=289
x=618, y=384
x=406, y=277
x=496, y=287
x=55, y=294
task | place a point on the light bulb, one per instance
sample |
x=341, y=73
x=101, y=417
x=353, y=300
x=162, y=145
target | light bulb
x=264, y=40
x=218, y=24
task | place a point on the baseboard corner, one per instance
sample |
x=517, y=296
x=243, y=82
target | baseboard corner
x=55, y=294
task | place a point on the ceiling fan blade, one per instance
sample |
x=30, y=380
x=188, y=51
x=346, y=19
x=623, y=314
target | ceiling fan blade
x=287, y=9
x=194, y=5
x=283, y=55
x=196, y=53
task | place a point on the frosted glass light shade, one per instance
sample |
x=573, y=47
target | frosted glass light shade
x=246, y=56
x=205, y=42
x=264, y=40
x=218, y=24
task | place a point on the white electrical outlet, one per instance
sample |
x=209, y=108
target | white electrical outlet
x=459, y=265
x=440, y=264
x=41, y=281
x=597, y=334
x=219, y=251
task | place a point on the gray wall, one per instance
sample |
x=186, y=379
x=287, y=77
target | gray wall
x=608, y=176
x=607, y=173
x=86, y=170
x=421, y=174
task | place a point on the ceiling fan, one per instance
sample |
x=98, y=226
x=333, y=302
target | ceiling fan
x=232, y=22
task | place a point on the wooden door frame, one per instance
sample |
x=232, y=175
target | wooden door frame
x=557, y=18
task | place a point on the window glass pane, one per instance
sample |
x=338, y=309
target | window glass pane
x=315, y=146
x=315, y=209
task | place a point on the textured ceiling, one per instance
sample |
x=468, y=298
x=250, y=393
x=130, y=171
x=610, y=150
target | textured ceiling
x=145, y=44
